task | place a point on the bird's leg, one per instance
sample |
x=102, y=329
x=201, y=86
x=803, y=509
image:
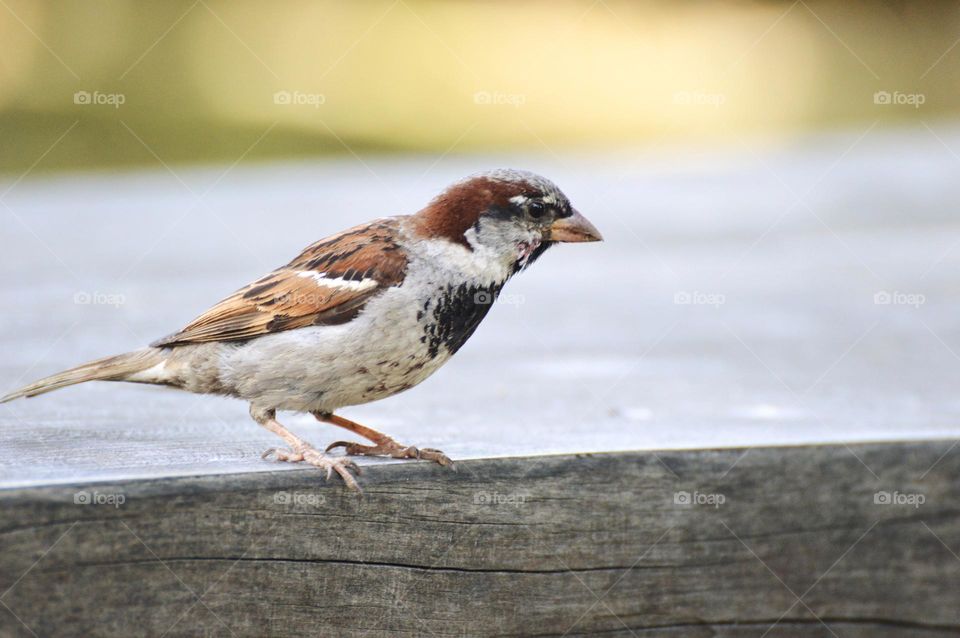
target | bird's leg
x=300, y=450
x=383, y=445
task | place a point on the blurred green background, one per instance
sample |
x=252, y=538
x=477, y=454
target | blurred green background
x=123, y=83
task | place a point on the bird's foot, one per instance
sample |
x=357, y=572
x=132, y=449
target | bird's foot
x=389, y=447
x=341, y=466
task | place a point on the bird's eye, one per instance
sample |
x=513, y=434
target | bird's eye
x=536, y=209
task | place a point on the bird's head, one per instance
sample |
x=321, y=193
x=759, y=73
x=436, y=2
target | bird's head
x=512, y=214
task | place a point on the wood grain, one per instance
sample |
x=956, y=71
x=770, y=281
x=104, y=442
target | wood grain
x=553, y=545
x=748, y=321
x=716, y=313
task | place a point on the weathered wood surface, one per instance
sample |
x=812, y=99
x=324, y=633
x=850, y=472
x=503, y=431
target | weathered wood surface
x=589, y=351
x=544, y=546
x=784, y=341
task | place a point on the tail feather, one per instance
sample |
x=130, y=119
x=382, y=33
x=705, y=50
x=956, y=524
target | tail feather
x=120, y=367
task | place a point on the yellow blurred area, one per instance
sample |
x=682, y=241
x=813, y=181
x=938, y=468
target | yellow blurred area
x=210, y=80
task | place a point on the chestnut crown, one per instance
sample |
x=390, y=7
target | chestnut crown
x=504, y=206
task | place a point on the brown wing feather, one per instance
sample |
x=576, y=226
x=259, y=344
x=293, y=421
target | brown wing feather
x=295, y=296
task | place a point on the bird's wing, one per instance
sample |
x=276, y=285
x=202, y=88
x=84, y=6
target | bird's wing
x=327, y=284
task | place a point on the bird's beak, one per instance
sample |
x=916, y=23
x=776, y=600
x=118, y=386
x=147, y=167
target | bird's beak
x=574, y=228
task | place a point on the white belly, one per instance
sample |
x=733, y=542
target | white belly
x=400, y=338
x=381, y=352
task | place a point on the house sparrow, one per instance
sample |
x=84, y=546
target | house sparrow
x=359, y=316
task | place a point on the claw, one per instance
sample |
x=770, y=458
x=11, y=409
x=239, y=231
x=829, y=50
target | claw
x=383, y=445
x=341, y=466
x=436, y=455
x=283, y=455
x=392, y=449
x=336, y=444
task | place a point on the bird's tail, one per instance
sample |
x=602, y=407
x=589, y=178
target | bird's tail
x=130, y=366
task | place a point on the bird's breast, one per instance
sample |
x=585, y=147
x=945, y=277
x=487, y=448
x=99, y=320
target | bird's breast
x=451, y=316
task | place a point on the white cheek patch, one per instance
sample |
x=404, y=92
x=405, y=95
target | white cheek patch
x=338, y=282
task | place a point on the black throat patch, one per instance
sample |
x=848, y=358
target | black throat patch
x=456, y=315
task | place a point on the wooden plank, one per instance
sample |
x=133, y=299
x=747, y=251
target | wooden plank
x=553, y=545
x=798, y=350
x=601, y=348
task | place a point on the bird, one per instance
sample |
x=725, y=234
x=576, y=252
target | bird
x=358, y=316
